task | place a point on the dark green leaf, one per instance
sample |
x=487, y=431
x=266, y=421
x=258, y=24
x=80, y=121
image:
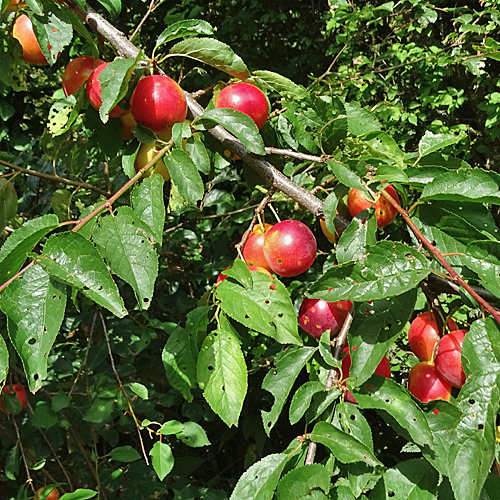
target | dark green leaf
x=198, y=153
x=15, y=250
x=222, y=373
x=214, y=53
x=236, y=122
x=8, y=202
x=265, y=307
x=114, y=7
x=349, y=419
x=34, y=306
x=300, y=482
x=386, y=269
x=185, y=175
x=124, y=454
x=483, y=257
x=163, y=459
x=279, y=380
x=72, y=259
x=346, y=448
x=302, y=399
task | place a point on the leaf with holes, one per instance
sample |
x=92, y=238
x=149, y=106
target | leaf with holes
x=279, y=381
x=265, y=307
x=386, y=269
x=14, y=251
x=72, y=259
x=123, y=240
x=147, y=201
x=34, y=306
x=349, y=419
x=222, y=372
x=193, y=435
x=346, y=448
x=260, y=480
x=376, y=325
x=303, y=482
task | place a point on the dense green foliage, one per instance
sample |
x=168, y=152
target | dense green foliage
x=148, y=381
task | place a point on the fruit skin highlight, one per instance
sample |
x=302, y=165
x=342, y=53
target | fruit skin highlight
x=426, y=384
x=158, y=103
x=290, y=248
x=317, y=315
x=384, y=211
x=246, y=98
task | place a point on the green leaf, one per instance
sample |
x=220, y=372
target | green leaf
x=184, y=28
x=124, y=242
x=179, y=359
x=302, y=399
x=100, y=411
x=281, y=84
x=375, y=326
x=139, y=389
x=265, y=307
x=471, y=456
x=163, y=459
x=79, y=494
x=330, y=211
x=430, y=143
x=114, y=7
x=147, y=201
x=171, y=427
x=360, y=233
x=236, y=122
x=14, y=251
x=260, y=480
x=193, y=435
x=185, y=175
x=222, y=373
x=61, y=204
x=360, y=121
x=4, y=360
x=346, y=448
x=300, y=482
x=279, y=381
x=349, y=419
x=34, y=306
x=198, y=153
x=414, y=479
x=483, y=257
x=124, y=454
x=382, y=145
x=476, y=185
x=72, y=259
x=8, y=202
x=385, y=394
x=53, y=30
x=386, y=269
x=12, y=463
x=214, y=53
x=346, y=176
x=114, y=80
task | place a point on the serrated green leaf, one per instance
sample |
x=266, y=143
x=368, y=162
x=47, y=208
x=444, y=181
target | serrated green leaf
x=300, y=482
x=198, y=153
x=301, y=400
x=170, y=427
x=179, y=359
x=53, y=30
x=236, y=122
x=279, y=380
x=34, y=306
x=222, y=373
x=346, y=176
x=193, y=435
x=414, y=479
x=14, y=251
x=474, y=185
x=214, y=53
x=185, y=175
x=385, y=394
x=147, y=202
x=72, y=259
x=124, y=454
x=360, y=121
x=124, y=242
x=114, y=84
x=281, y=84
x=163, y=459
x=348, y=418
x=360, y=233
x=375, y=326
x=471, y=456
x=430, y=143
x=260, y=480
x=483, y=257
x=346, y=448
x=184, y=28
x=265, y=307
x=60, y=203
x=386, y=269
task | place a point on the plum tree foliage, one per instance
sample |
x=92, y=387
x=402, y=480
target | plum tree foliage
x=146, y=378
